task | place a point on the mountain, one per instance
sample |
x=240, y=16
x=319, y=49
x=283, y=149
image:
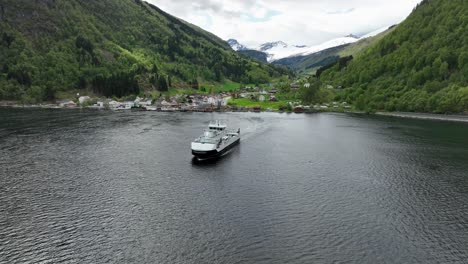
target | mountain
x=422, y=65
x=328, y=44
x=309, y=64
x=271, y=45
x=248, y=53
x=352, y=36
x=235, y=45
x=111, y=47
x=255, y=54
x=279, y=50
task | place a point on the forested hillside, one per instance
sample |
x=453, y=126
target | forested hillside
x=421, y=66
x=114, y=47
x=255, y=54
x=308, y=64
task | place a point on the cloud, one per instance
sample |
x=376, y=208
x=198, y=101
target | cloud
x=309, y=22
x=341, y=11
x=260, y=16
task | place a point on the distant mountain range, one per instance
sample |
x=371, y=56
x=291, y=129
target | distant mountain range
x=310, y=63
x=307, y=59
x=235, y=45
x=278, y=50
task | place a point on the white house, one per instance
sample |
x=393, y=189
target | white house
x=84, y=99
x=212, y=100
x=145, y=102
x=67, y=104
x=165, y=103
x=114, y=104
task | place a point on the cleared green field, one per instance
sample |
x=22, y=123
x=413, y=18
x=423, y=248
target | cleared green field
x=227, y=87
x=243, y=102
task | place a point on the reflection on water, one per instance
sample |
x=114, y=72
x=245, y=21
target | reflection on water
x=104, y=187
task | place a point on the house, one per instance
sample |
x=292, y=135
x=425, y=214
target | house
x=274, y=91
x=212, y=100
x=298, y=109
x=257, y=109
x=165, y=103
x=113, y=104
x=145, y=102
x=223, y=102
x=83, y=99
x=67, y=103
x=128, y=104
x=294, y=86
x=98, y=105
x=273, y=99
x=174, y=104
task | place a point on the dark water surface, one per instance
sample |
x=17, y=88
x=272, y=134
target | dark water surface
x=104, y=187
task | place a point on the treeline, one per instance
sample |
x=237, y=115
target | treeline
x=421, y=66
x=119, y=84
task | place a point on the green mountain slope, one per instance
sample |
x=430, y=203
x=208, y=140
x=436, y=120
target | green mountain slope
x=309, y=64
x=115, y=47
x=421, y=66
x=255, y=54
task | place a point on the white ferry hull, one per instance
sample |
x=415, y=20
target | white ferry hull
x=215, y=142
x=211, y=153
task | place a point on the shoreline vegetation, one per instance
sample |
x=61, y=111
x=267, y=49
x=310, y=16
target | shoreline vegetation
x=461, y=118
x=426, y=116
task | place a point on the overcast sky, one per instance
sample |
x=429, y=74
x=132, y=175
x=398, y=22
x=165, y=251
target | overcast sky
x=308, y=22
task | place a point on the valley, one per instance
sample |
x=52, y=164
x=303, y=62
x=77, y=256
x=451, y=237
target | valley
x=136, y=49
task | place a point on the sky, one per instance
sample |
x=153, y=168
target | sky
x=297, y=22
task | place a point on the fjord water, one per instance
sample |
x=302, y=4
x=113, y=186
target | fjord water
x=106, y=187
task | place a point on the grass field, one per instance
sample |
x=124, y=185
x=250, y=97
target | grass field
x=227, y=87
x=243, y=102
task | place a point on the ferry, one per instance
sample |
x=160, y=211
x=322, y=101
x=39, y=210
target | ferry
x=216, y=141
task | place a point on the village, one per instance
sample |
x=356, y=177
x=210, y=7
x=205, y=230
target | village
x=243, y=99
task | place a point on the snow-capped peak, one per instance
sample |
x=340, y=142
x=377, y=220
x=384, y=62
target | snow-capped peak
x=352, y=36
x=235, y=45
x=279, y=49
x=329, y=44
x=282, y=50
x=270, y=45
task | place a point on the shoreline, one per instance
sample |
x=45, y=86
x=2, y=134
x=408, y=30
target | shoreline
x=426, y=116
x=421, y=116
